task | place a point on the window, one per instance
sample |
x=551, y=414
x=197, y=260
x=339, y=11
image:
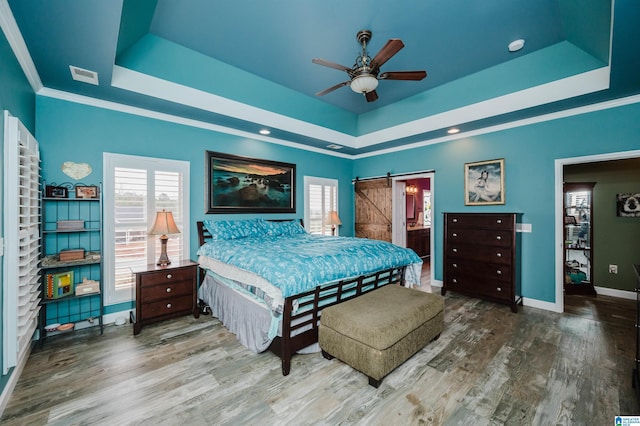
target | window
x=426, y=208
x=320, y=197
x=135, y=189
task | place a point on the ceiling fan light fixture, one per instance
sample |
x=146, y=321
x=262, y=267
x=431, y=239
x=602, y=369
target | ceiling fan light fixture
x=364, y=83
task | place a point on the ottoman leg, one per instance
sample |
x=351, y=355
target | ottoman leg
x=375, y=383
x=327, y=355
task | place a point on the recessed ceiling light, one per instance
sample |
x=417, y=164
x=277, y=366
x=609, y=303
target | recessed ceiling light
x=265, y=132
x=453, y=130
x=334, y=146
x=516, y=45
x=83, y=75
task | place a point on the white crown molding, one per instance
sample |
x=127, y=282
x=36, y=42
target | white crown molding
x=127, y=109
x=14, y=37
x=138, y=82
x=576, y=85
x=568, y=87
x=98, y=103
x=615, y=103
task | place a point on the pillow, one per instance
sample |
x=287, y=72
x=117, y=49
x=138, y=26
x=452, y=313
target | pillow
x=288, y=227
x=234, y=229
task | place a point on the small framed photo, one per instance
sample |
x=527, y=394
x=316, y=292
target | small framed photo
x=484, y=183
x=56, y=192
x=86, y=191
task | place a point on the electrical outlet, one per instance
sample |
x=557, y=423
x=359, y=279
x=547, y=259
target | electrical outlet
x=613, y=269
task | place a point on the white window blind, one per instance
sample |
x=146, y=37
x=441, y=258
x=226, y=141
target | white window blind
x=135, y=189
x=21, y=272
x=320, y=197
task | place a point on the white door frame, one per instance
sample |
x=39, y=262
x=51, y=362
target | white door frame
x=559, y=216
x=399, y=207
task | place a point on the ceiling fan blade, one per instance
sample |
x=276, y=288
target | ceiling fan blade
x=330, y=64
x=332, y=88
x=371, y=96
x=403, y=75
x=391, y=48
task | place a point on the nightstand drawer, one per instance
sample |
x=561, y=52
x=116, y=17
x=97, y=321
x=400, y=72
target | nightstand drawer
x=168, y=290
x=168, y=276
x=166, y=307
x=164, y=292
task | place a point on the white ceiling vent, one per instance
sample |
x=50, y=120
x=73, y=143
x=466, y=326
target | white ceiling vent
x=86, y=76
x=334, y=146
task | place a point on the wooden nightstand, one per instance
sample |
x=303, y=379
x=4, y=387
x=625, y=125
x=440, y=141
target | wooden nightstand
x=165, y=292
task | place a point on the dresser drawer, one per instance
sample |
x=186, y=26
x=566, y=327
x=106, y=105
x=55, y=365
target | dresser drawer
x=479, y=287
x=497, y=255
x=166, y=307
x=171, y=275
x=493, y=237
x=170, y=289
x=486, y=221
x=491, y=271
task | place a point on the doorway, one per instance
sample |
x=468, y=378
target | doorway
x=413, y=207
x=559, y=212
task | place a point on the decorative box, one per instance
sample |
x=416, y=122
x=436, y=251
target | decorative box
x=87, y=287
x=66, y=255
x=70, y=225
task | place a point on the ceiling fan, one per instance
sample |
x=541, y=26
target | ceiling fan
x=365, y=72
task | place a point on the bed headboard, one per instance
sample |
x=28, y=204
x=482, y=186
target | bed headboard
x=204, y=235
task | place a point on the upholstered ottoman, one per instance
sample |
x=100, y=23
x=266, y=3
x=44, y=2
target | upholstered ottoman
x=376, y=332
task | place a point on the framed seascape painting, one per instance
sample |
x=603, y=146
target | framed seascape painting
x=238, y=184
x=484, y=183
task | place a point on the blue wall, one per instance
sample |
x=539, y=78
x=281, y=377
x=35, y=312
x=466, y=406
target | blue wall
x=18, y=98
x=68, y=131
x=529, y=154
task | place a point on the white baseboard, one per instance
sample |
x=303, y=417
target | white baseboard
x=13, y=380
x=623, y=294
x=540, y=304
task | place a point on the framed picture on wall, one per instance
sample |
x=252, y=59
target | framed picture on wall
x=238, y=184
x=484, y=183
x=628, y=204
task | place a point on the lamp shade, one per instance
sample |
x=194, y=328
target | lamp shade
x=364, y=83
x=334, y=219
x=164, y=224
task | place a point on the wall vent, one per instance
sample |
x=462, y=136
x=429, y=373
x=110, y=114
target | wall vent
x=334, y=146
x=86, y=76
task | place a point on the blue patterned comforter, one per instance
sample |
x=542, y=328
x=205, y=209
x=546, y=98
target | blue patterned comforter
x=300, y=262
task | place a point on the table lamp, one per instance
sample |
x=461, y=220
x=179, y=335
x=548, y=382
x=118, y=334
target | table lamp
x=334, y=220
x=164, y=225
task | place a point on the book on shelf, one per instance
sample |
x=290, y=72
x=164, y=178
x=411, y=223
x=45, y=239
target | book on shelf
x=60, y=285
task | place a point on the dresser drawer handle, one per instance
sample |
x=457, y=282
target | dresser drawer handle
x=168, y=290
x=168, y=305
x=499, y=272
x=498, y=238
x=455, y=265
x=499, y=254
x=499, y=288
x=169, y=276
x=455, y=250
x=454, y=220
x=454, y=280
x=454, y=234
x=499, y=221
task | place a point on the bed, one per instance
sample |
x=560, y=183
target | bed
x=268, y=280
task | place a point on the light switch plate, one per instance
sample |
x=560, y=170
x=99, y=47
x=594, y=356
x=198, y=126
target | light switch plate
x=523, y=227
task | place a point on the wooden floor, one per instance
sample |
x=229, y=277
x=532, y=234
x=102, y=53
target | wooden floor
x=489, y=367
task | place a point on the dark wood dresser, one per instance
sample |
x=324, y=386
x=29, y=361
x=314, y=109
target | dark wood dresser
x=164, y=292
x=481, y=256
